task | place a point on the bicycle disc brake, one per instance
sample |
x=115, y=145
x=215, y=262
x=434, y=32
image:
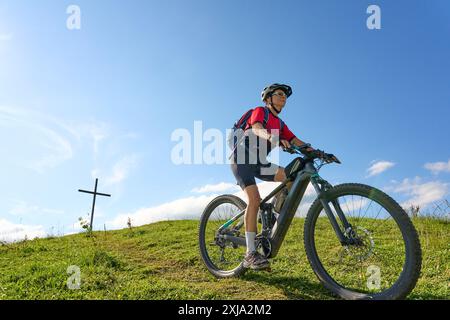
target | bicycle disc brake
x=364, y=245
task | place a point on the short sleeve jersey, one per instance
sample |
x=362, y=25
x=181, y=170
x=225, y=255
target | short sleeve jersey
x=272, y=123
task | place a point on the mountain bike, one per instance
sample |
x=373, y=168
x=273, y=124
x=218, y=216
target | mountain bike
x=359, y=242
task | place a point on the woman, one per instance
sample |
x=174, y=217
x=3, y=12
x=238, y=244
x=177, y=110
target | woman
x=273, y=130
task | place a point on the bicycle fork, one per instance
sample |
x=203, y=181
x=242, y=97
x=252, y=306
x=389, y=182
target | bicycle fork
x=320, y=186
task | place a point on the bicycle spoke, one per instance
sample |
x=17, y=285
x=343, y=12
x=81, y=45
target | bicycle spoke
x=365, y=212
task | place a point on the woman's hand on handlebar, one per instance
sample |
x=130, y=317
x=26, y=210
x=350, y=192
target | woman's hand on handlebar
x=292, y=148
x=327, y=157
x=310, y=152
x=285, y=144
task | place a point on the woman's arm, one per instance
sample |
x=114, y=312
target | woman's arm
x=297, y=142
x=260, y=131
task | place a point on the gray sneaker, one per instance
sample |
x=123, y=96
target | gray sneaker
x=255, y=261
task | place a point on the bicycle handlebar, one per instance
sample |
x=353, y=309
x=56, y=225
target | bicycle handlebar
x=313, y=154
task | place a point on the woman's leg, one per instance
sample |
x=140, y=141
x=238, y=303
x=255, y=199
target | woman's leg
x=251, y=214
x=253, y=259
x=280, y=176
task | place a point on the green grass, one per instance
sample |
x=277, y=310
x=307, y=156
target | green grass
x=161, y=261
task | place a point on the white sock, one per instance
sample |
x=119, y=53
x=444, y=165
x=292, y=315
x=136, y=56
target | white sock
x=250, y=238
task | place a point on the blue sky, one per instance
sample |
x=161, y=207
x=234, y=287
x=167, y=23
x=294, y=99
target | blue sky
x=104, y=100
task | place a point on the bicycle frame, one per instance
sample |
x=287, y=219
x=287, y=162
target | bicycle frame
x=278, y=232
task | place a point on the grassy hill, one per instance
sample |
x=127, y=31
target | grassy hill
x=161, y=261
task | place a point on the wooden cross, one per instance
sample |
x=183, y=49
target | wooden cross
x=95, y=193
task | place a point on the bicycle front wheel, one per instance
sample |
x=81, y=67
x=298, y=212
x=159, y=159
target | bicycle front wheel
x=383, y=258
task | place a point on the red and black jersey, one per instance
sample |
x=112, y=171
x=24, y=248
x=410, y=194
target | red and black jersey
x=272, y=123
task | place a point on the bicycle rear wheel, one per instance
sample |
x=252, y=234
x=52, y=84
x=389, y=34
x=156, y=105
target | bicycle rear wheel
x=222, y=257
x=383, y=260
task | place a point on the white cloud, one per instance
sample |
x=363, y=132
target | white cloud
x=57, y=150
x=23, y=208
x=122, y=169
x=180, y=209
x=220, y=187
x=50, y=137
x=50, y=141
x=192, y=207
x=379, y=167
x=436, y=167
x=10, y=232
x=421, y=193
x=96, y=132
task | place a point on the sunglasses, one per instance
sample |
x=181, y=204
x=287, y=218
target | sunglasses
x=280, y=94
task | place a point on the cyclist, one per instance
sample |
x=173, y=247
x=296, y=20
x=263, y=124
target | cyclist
x=275, y=131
